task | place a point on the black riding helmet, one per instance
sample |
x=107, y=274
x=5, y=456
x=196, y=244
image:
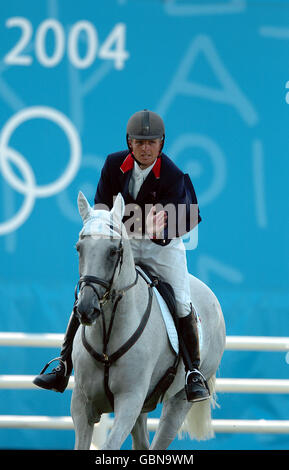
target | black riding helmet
x=145, y=125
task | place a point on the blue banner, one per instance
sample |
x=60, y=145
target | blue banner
x=71, y=75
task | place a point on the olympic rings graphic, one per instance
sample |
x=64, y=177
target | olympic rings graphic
x=28, y=187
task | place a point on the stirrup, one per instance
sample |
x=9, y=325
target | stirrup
x=55, y=359
x=204, y=382
x=194, y=371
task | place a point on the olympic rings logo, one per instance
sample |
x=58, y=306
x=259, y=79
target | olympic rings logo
x=28, y=185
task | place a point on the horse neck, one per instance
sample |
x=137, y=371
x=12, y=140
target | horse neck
x=126, y=313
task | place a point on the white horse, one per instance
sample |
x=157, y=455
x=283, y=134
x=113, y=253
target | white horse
x=124, y=351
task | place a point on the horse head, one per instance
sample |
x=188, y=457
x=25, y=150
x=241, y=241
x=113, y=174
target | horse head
x=100, y=255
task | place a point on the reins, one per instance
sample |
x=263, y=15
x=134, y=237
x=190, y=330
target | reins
x=115, y=296
x=103, y=358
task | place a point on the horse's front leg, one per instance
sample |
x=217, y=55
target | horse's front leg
x=127, y=407
x=83, y=428
x=140, y=435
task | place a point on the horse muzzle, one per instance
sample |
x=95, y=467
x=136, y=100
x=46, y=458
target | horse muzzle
x=88, y=313
x=88, y=302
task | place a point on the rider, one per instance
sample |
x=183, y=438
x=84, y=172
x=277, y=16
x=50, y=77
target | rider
x=144, y=175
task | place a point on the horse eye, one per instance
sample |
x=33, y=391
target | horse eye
x=113, y=251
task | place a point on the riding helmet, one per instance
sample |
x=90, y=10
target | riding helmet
x=145, y=125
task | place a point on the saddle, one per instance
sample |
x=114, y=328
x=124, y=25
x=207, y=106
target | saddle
x=165, y=290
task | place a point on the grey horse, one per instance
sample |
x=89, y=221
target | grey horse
x=112, y=303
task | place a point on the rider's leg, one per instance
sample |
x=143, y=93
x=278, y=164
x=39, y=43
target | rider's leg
x=58, y=378
x=170, y=264
x=195, y=385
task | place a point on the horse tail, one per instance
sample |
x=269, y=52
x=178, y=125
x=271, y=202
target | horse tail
x=198, y=422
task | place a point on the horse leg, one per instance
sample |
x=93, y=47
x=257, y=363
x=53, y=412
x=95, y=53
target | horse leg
x=173, y=415
x=140, y=435
x=83, y=427
x=127, y=408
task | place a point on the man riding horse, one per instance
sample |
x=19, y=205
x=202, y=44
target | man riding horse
x=146, y=177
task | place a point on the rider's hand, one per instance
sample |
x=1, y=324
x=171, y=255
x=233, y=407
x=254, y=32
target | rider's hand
x=156, y=222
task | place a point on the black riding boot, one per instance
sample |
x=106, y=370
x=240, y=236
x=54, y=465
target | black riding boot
x=196, y=386
x=58, y=378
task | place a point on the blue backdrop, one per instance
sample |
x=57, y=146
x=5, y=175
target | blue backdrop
x=71, y=74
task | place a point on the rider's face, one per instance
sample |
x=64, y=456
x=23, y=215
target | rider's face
x=145, y=151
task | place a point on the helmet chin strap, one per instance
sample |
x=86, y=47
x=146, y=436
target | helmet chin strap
x=133, y=156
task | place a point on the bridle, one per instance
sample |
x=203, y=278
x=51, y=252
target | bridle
x=92, y=281
x=115, y=296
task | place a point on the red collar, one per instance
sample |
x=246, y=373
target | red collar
x=128, y=164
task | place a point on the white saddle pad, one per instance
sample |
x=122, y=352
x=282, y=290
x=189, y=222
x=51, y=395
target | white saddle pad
x=168, y=319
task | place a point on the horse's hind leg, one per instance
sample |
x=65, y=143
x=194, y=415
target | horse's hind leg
x=173, y=415
x=140, y=435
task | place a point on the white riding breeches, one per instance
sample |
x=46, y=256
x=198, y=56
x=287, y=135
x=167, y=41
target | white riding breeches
x=169, y=263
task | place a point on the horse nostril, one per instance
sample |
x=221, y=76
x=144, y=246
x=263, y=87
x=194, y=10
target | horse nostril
x=84, y=313
x=88, y=307
x=84, y=318
x=87, y=316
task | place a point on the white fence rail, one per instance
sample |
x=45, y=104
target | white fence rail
x=226, y=426
x=24, y=382
x=230, y=385
x=237, y=343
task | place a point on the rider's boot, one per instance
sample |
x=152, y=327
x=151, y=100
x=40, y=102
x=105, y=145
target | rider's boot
x=195, y=386
x=58, y=378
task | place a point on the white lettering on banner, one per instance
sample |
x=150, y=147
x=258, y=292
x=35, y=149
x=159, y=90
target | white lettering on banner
x=28, y=187
x=208, y=265
x=80, y=87
x=14, y=57
x=217, y=158
x=276, y=32
x=59, y=43
x=92, y=44
x=180, y=8
x=23, y=214
x=229, y=93
x=113, y=47
x=287, y=94
x=91, y=163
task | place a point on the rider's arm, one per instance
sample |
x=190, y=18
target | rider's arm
x=177, y=211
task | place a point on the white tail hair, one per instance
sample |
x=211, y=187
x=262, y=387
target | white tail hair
x=198, y=422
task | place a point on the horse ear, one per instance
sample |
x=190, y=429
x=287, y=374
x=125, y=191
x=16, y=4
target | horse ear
x=83, y=206
x=118, y=209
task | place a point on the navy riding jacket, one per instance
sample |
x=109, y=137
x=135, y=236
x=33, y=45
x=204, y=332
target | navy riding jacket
x=165, y=184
